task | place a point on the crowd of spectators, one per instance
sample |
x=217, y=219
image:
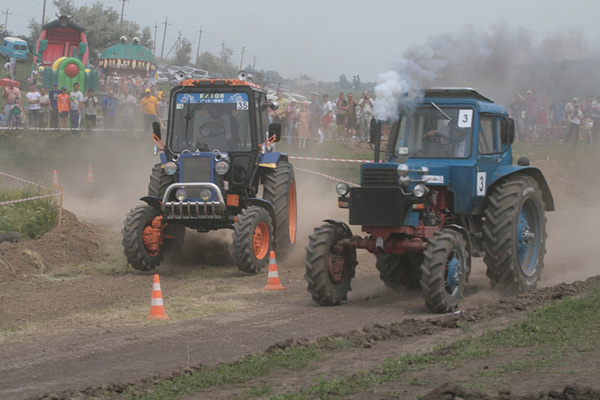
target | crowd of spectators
x=321, y=119
x=540, y=119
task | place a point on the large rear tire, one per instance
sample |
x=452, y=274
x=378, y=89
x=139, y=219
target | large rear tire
x=139, y=255
x=252, y=238
x=445, y=271
x=280, y=189
x=325, y=289
x=514, y=234
x=397, y=270
x=159, y=181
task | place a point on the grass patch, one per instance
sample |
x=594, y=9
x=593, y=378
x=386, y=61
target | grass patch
x=30, y=218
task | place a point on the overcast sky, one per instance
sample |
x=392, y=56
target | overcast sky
x=325, y=38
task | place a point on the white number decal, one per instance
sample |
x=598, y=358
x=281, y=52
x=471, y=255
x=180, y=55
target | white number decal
x=465, y=118
x=242, y=105
x=481, y=183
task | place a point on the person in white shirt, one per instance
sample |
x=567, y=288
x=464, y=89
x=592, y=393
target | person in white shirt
x=33, y=98
x=44, y=108
x=574, y=123
x=75, y=104
x=365, y=106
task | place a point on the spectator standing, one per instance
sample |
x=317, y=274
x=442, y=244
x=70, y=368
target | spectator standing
x=163, y=108
x=530, y=117
x=340, y=118
x=91, y=102
x=366, y=113
x=62, y=104
x=15, y=119
x=351, y=116
x=44, y=108
x=303, y=131
x=75, y=106
x=10, y=94
x=574, y=123
x=516, y=113
x=33, y=100
x=128, y=103
x=290, y=121
x=327, y=116
x=557, y=117
x=149, y=105
x=279, y=117
x=314, y=115
x=595, y=116
x=109, y=110
x=53, y=106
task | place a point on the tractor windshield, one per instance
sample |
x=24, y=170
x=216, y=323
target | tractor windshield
x=435, y=132
x=211, y=120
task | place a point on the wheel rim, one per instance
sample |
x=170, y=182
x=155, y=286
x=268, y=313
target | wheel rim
x=152, y=236
x=528, y=237
x=453, y=273
x=292, y=212
x=260, y=240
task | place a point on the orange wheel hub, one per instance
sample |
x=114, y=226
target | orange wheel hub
x=153, y=236
x=260, y=240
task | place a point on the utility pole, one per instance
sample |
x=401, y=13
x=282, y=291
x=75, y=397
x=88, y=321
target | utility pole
x=44, y=13
x=254, y=63
x=6, y=19
x=155, y=29
x=242, y=60
x=164, y=34
x=198, y=50
x=223, y=50
x=122, y=9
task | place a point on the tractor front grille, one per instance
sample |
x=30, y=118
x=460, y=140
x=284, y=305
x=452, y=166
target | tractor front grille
x=195, y=169
x=379, y=177
x=193, y=210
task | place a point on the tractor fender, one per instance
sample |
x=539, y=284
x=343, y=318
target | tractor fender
x=152, y=201
x=347, y=230
x=270, y=160
x=267, y=206
x=509, y=170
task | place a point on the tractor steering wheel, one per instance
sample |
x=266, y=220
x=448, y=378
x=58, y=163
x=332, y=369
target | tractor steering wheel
x=440, y=142
x=212, y=129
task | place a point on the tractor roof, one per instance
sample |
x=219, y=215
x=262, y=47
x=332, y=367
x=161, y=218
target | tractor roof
x=218, y=82
x=456, y=92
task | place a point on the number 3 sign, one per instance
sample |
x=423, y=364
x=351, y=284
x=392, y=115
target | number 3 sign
x=464, y=118
x=481, y=183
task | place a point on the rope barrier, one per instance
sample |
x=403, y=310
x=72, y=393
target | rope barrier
x=3, y=203
x=28, y=182
x=326, y=176
x=330, y=159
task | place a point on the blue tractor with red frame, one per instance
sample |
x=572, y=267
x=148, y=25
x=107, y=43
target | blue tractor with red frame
x=445, y=190
x=217, y=170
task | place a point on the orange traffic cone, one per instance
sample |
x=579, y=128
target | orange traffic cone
x=55, y=181
x=157, y=308
x=90, y=178
x=273, y=278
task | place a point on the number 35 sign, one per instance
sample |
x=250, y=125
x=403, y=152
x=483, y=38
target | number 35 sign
x=465, y=118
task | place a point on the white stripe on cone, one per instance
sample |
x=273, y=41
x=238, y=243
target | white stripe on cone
x=156, y=302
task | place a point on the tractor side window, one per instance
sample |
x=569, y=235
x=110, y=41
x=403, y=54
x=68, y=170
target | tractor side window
x=488, y=143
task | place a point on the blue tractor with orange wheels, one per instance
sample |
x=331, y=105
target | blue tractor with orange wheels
x=444, y=191
x=217, y=158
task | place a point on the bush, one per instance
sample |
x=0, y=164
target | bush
x=30, y=218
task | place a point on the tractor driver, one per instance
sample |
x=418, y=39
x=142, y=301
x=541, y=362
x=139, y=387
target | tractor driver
x=450, y=138
x=217, y=128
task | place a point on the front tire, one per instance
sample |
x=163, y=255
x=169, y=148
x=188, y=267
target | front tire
x=445, y=271
x=326, y=288
x=397, y=270
x=252, y=238
x=142, y=254
x=514, y=234
x=159, y=181
x=280, y=189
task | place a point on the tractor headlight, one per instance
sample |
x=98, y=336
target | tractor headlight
x=221, y=167
x=403, y=181
x=424, y=170
x=205, y=194
x=180, y=194
x=419, y=190
x=342, y=188
x=170, y=168
x=402, y=169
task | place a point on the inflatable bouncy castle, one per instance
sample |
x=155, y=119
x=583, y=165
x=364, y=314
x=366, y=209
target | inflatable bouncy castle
x=62, y=55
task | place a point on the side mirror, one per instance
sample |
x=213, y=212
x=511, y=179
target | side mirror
x=273, y=105
x=156, y=129
x=374, y=131
x=275, y=130
x=507, y=131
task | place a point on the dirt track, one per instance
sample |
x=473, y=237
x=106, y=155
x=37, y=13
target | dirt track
x=70, y=327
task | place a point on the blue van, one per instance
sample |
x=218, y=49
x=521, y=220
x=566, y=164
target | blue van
x=14, y=47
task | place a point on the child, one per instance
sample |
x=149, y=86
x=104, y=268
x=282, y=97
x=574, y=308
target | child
x=15, y=118
x=62, y=102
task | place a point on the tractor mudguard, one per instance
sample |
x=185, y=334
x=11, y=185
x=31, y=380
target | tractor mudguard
x=270, y=160
x=507, y=170
x=347, y=230
x=152, y=201
x=267, y=206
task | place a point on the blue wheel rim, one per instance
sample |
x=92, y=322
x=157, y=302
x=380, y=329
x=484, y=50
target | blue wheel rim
x=453, y=273
x=529, y=237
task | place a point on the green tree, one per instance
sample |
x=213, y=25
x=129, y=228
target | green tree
x=343, y=82
x=183, y=53
x=356, y=82
x=213, y=63
x=102, y=25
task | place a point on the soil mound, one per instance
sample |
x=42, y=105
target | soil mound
x=73, y=242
